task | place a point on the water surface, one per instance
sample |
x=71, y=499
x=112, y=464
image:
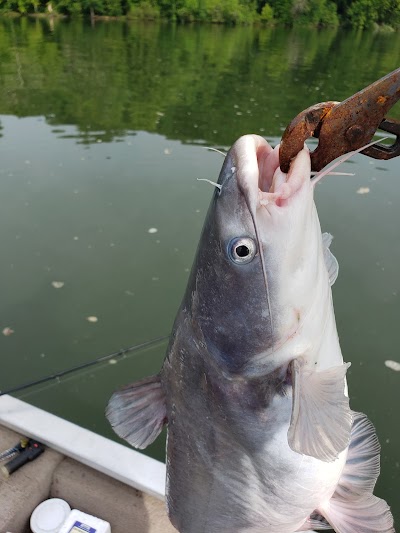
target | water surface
x=103, y=132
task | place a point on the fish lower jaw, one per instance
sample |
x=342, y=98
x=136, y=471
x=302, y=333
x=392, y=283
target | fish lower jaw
x=279, y=197
x=267, y=198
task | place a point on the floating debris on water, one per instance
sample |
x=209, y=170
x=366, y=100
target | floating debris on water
x=167, y=151
x=57, y=284
x=393, y=365
x=92, y=319
x=7, y=331
x=152, y=230
x=113, y=361
x=129, y=293
x=363, y=190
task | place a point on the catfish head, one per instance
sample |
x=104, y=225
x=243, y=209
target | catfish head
x=259, y=262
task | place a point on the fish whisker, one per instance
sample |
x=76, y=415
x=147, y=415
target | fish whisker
x=211, y=182
x=335, y=173
x=328, y=170
x=211, y=149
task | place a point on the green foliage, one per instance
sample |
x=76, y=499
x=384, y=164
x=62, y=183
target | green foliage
x=358, y=13
x=267, y=13
x=319, y=13
x=191, y=11
x=145, y=10
x=362, y=13
x=389, y=12
x=368, y=13
x=282, y=10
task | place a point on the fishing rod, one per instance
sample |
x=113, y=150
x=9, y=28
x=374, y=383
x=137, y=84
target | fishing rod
x=96, y=361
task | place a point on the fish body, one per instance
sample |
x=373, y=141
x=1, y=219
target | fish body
x=261, y=437
x=231, y=468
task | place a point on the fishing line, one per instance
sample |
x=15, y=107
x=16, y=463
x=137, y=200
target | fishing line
x=82, y=366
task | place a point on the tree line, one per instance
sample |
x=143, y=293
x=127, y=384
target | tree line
x=355, y=13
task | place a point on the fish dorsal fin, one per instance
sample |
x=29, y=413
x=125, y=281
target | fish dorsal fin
x=331, y=262
x=137, y=412
x=368, y=514
x=321, y=417
x=363, y=463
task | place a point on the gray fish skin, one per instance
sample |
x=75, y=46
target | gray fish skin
x=260, y=434
x=228, y=460
x=229, y=466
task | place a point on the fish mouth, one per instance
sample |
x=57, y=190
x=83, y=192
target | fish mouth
x=260, y=177
x=276, y=187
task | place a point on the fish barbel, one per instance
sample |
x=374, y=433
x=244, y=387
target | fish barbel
x=261, y=437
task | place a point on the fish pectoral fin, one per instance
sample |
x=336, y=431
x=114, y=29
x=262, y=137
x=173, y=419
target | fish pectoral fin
x=137, y=413
x=315, y=521
x=321, y=417
x=331, y=262
x=368, y=514
x=363, y=462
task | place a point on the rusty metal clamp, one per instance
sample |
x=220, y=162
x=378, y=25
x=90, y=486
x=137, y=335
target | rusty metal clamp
x=342, y=127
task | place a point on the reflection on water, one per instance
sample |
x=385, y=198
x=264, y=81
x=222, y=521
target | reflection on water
x=101, y=134
x=203, y=82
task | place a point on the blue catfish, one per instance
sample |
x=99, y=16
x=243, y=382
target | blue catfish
x=261, y=437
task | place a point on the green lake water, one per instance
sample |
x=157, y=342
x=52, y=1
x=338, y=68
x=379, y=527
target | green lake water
x=102, y=136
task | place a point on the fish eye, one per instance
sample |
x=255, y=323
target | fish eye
x=242, y=250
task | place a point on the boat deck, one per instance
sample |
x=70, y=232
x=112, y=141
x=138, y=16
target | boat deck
x=58, y=474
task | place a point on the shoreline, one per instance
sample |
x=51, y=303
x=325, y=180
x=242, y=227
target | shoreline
x=384, y=28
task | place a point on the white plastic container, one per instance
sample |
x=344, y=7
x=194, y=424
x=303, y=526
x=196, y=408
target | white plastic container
x=79, y=522
x=49, y=516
